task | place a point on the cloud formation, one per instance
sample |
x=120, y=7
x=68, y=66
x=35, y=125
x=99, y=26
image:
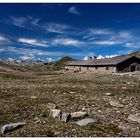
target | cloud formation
x=2, y=38
x=56, y=28
x=73, y=10
x=67, y=42
x=33, y=42
x=23, y=22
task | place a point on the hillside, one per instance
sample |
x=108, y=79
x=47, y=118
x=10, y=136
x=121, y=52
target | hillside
x=137, y=54
x=60, y=63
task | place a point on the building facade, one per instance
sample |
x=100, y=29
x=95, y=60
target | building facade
x=107, y=65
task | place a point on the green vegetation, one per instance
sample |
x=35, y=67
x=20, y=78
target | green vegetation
x=26, y=97
x=60, y=63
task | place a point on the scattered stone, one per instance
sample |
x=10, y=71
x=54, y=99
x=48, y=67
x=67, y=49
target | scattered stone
x=33, y=97
x=128, y=83
x=99, y=111
x=11, y=127
x=72, y=92
x=21, y=96
x=84, y=122
x=37, y=120
x=108, y=93
x=54, y=91
x=135, y=117
x=51, y=106
x=79, y=114
x=65, y=117
x=83, y=109
x=115, y=104
x=56, y=114
x=124, y=88
x=124, y=127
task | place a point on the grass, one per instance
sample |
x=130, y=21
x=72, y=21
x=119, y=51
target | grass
x=70, y=92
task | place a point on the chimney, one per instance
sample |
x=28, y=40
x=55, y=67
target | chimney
x=94, y=57
x=89, y=58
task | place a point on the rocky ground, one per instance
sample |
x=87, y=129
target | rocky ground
x=112, y=100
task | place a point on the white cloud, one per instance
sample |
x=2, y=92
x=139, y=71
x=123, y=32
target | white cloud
x=100, y=57
x=56, y=28
x=106, y=56
x=110, y=56
x=18, y=21
x=99, y=32
x=73, y=10
x=107, y=42
x=67, y=42
x=24, y=22
x=2, y=38
x=2, y=50
x=125, y=35
x=33, y=42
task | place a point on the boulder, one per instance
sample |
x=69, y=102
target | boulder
x=79, y=114
x=56, y=114
x=115, y=104
x=51, y=106
x=87, y=121
x=108, y=93
x=135, y=117
x=11, y=127
x=65, y=117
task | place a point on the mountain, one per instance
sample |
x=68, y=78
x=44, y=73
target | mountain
x=60, y=63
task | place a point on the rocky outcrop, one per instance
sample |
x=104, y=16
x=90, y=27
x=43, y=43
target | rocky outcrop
x=135, y=117
x=11, y=127
x=87, y=121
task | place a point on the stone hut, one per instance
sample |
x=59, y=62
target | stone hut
x=107, y=65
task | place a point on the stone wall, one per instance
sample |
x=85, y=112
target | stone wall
x=109, y=69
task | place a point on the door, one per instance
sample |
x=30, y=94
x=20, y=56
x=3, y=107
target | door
x=132, y=68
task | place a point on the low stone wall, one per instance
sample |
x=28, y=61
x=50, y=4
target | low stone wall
x=109, y=69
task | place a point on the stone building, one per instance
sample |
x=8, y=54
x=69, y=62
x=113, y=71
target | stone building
x=107, y=65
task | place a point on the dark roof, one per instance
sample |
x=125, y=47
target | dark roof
x=100, y=62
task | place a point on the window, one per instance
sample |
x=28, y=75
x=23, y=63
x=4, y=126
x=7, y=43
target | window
x=96, y=68
x=87, y=67
x=107, y=68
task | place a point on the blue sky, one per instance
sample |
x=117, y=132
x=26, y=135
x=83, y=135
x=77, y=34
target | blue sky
x=51, y=31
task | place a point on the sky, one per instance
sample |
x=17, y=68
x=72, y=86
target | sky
x=51, y=31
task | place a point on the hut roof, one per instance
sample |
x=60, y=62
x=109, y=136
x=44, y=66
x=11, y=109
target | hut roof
x=100, y=62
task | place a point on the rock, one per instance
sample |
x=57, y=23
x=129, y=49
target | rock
x=56, y=113
x=33, y=97
x=65, y=117
x=115, y=104
x=124, y=88
x=51, y=106
x=128, y=83
x=124, y=127
x=37, y=120
x=108, y=93
x=54, y=91
x=11, y=127
x=87, y=121
x=83, y=109
x=72, y=92
x=135, y=117
x=79, y=114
